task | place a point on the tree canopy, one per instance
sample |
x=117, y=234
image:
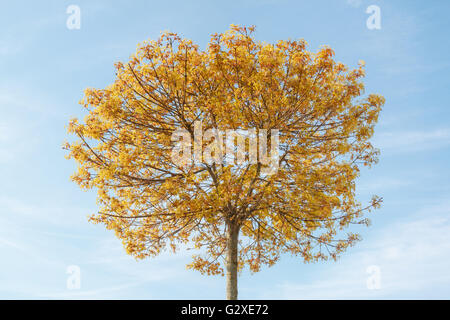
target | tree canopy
x=123, y=148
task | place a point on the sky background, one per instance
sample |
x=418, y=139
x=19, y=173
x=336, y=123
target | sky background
x=44, y=68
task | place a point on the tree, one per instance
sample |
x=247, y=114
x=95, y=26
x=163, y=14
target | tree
x=237, y=213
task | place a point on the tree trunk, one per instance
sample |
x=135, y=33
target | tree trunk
x=232, y=261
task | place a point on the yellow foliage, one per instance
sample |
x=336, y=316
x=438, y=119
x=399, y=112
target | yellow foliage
x=124, y=144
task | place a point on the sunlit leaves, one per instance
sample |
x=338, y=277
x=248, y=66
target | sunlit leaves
x=123, y=149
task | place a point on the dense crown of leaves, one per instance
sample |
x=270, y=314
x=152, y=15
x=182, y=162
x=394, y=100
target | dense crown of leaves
x=123, y=149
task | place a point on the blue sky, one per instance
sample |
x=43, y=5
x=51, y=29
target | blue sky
x=44, y=67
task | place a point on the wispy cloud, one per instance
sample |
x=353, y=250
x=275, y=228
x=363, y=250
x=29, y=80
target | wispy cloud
x=354, y=3
x=9, y=48
x=101, y=293
x=383, y=184
x=413, y=256
x=410, y=141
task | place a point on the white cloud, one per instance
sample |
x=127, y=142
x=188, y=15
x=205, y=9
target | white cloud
x=354, y=3
x=37, y=251
x=18, y=212
x=382, y=184
x=8, y=48
x=413, y=257
x=100, y=293
x=410, y=141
